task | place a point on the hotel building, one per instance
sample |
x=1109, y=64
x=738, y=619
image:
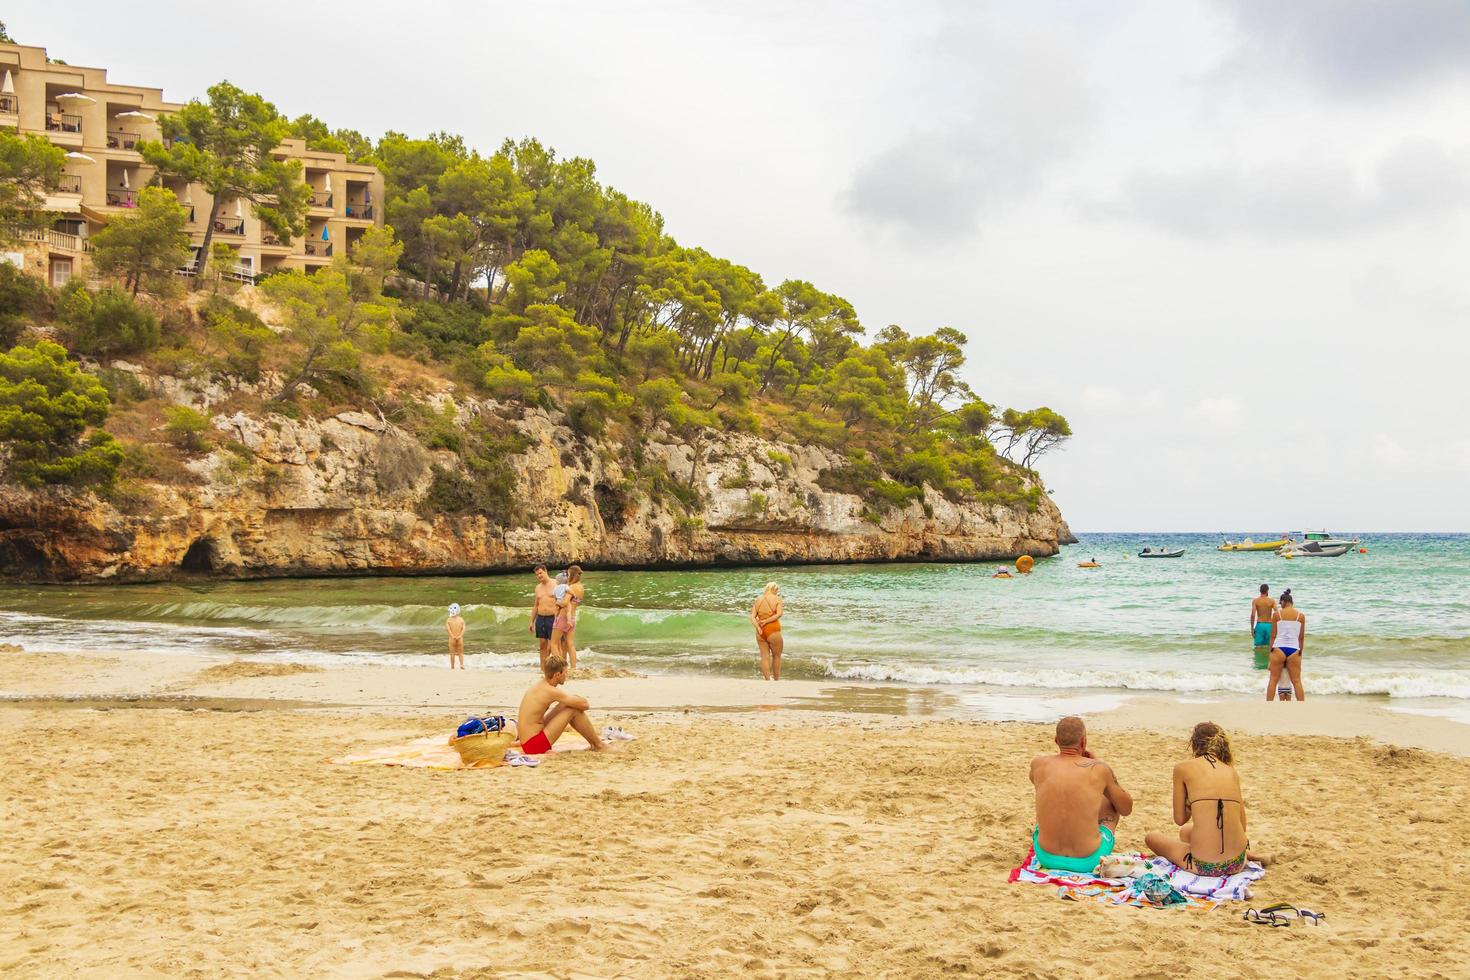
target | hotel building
x=99, y=123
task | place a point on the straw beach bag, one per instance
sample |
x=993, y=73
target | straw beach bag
x=482, y=741
x=482, y=748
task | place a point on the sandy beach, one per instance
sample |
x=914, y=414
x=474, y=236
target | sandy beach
x=176, y=816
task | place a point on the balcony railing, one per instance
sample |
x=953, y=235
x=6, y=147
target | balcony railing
x=267, y=238
x=225, y=227
x=121, y=139
x=240, y=273
x=321, y=199
x=69, y=184
x=119, y=197
x=65, y=241
x=9, y=104
x=63, y=122
x=364, y=211
x=319, y=248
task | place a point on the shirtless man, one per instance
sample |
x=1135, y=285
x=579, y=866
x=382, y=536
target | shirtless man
x=546, y=712
x=1263, y=610
x=1078, y=803
x=766, y=615
x=543, y=610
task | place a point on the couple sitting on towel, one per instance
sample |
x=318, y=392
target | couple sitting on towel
x=1079, y=803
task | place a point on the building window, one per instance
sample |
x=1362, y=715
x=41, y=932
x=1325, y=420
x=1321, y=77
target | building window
x=60, y=272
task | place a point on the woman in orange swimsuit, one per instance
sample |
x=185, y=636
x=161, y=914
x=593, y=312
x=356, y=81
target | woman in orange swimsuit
x=766, y=615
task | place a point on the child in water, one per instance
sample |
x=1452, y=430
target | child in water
x=455, y=626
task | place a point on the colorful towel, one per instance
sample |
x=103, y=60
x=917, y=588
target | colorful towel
x=433, y=752
x=1199, y=891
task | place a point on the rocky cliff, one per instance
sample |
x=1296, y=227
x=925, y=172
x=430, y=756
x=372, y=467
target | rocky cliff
x=345, y=495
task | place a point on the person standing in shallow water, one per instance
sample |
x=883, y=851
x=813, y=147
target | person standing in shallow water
x=1288, y=641
x=766, y=615
x=1263, y=611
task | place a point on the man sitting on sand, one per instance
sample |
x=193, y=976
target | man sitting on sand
x=546, y=712
x=1078, y=803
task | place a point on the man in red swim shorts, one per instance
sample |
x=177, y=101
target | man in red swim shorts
x=546, y=712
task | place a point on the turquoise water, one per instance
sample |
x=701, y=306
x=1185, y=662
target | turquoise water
x=1394, y=622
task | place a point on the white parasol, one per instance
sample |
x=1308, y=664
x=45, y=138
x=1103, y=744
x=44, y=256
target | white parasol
x=74, y=155
x=239, y=209
x=76, y=97
x=135, y=114
x=329, y=182
x=8, y=87
x=126, y=185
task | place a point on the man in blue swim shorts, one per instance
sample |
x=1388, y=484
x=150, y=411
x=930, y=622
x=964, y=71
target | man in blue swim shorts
x=1263, y=612
x=1078, y=803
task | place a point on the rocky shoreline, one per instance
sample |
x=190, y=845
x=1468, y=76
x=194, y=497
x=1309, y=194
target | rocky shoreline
x=345, y=495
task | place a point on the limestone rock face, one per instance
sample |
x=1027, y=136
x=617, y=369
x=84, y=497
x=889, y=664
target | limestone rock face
x=344, y=495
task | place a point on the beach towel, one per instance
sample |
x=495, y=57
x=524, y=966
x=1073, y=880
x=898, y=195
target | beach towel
x=1196, y=891
x=433, y=752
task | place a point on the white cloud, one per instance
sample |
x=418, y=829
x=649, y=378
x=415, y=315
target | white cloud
x=1353, y=45
x=1311, y=197
x=1012, y=106
x=1220, y=413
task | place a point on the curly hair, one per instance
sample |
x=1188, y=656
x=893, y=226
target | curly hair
x=1209, y=738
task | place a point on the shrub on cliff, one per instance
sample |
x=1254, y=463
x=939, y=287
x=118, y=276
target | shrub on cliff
x=23, y=299
x=239, y=337
x=105, y=322
x=185, y=427
x=47, y=404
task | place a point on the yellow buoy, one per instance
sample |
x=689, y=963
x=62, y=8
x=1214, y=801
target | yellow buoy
x=1001, y=574
x=1024, y=563
x=1088, y=564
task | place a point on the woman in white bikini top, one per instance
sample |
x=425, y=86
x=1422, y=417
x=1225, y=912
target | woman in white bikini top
x=1288, y=637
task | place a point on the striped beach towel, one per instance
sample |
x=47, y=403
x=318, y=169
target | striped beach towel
x=1200, y=892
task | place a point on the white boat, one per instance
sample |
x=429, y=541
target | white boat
x=1315, y=549
x=1317, y=544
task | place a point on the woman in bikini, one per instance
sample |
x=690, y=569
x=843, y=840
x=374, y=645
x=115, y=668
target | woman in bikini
x=1207, y=798
x=766, y=615
x=564, y=627
x=1288, y=638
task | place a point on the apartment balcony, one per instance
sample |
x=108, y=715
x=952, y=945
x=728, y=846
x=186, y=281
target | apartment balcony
x=9, y=104
x=319, y=250
x=321, y=199
x=63, y=122
x=70, y=184
x=229, y=226
x=60, y=240
x=238, y=273
x=121, y=197
x=121, y=139
x=359, y=211
x=269, y=240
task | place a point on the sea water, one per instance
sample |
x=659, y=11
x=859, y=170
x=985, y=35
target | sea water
x=1391, y=623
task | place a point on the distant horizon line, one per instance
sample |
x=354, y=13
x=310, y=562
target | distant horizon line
x=1156, y=531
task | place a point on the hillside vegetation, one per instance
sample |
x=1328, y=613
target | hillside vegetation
x=516, y=276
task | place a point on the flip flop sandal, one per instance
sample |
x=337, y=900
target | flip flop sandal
x=1265, y=917
x=1315, y=917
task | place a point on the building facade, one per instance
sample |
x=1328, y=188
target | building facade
x=99, y=124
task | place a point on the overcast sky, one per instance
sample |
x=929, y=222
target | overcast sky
x=1228, y=239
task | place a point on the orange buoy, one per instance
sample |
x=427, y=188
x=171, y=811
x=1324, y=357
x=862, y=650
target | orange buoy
x=1362, y=551
x=1024, y=563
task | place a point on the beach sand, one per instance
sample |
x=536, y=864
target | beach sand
x=171, y=816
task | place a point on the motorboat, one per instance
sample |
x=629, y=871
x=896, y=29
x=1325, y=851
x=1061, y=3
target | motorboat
x=1316, y=549
x=1322, y=539
x=1252, y=545
x=1161, y=553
